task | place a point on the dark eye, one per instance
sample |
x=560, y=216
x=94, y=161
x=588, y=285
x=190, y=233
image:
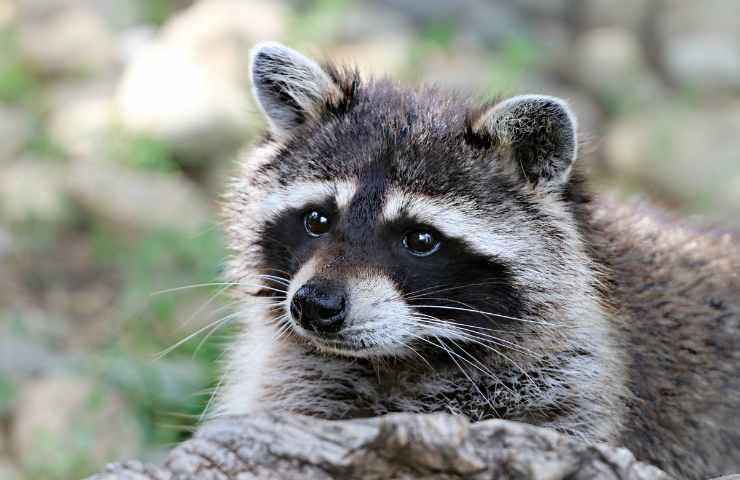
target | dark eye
x=316, y=223
x=421, y=243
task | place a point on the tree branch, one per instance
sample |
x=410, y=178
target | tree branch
x=399, y=446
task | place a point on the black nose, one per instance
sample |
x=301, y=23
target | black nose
x=320, y=307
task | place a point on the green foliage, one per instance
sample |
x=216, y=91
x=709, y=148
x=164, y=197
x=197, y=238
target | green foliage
x=317, y=21
x=438, y=33
x=17, y=83
x=158, y=11
x=163, y=391
x=42, y=145
x=139, y=151
x=510, y=62
x=7, y=394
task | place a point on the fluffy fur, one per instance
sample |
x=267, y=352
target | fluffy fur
x=541, y=305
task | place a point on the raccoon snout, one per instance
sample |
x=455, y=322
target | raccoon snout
x=319, y=307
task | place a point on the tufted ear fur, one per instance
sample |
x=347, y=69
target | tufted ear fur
x=289, y=87
x=535, y=134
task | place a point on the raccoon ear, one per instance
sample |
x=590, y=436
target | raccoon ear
x=536, y=134
x=289, y=87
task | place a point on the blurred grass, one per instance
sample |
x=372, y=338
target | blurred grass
x=138, y=150
x=17, y=82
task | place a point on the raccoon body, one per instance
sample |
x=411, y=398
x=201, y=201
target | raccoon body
x=412, y=250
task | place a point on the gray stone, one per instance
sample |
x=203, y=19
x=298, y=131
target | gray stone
x=128, y=198
x=65, y=39
x=399, y=446
x=7, y=244
x=33, y=189
x=21, y=358
x=67, y=416
x=610, y=63
x=702, y=43
x=80, y=116
x=8, y=471
x=168, y=94
x=690, y=153
x=608, y=13
x=16, y=128
x=188, y=87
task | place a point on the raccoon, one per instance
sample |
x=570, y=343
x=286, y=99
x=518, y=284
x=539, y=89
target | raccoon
x=414, y=250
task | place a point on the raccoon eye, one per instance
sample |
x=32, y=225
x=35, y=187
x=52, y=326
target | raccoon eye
x=316, y=223
x=421, y=243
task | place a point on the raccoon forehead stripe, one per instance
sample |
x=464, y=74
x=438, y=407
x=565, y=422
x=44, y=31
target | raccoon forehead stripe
x=299, y=194
x=454, y=218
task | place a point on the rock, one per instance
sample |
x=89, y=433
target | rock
x=443, y=68
x=7, y=15
x=8, y=471
x=16, y=128
x=610, y=63
x=64, y=40
x=702, y=44
x=366, y=21
x=80, y=117
x=7, y=244
x=399, y=446
x=687, y=152
x=133, y=41
x=63, y=417
x=22, y=358
x=166, y=93
x=33, y=189
x=189, y=87
x=387, y=55
x=486, y=21
x=627, y=14
x=134, y=199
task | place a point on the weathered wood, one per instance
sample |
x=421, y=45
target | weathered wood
x=399, y=446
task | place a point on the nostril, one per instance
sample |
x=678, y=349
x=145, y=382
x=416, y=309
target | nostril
x=329, y=310
x=320, y=308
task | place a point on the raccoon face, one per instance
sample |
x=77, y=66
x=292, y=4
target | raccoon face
x=384, y=220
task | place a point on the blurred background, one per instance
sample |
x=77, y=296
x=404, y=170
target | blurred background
x=119, y=123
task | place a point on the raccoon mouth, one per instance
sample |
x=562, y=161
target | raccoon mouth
x=342, y=346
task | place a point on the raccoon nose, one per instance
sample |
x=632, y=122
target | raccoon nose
x=319, y=307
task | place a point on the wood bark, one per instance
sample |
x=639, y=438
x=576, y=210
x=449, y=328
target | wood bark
x=398, y=446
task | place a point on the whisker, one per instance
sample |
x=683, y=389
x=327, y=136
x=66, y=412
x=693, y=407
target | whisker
x=475, y=335
x=219, y=324
x=166, y=351
x=475, y=386
x=482, y=312
x=494, y=350
x=205, y=305
x=443, y=288
x=188, y=287
x=281, y=280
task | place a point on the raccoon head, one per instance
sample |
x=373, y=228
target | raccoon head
x=383, y=220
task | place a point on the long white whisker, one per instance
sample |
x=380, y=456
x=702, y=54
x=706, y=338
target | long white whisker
x=475, y=386
x=494, y=350
x=498, y=315
x=476, y=335
x=188, y=287
x=281, y=280
x=220, y=323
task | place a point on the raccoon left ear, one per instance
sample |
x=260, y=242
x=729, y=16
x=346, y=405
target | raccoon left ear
x=289, y=87
x=537, y=134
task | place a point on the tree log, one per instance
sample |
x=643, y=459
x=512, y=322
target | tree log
x=398, y=446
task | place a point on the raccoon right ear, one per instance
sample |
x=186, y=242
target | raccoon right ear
x=535, y=136
x=289, y=87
